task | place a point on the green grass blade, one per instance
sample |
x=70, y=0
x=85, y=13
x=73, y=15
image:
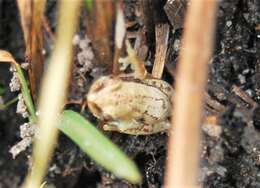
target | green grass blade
x=7, y=57
x=89, y=4
x=2, y=89
x=98, y=146
x=26, y=93
x=8, y=103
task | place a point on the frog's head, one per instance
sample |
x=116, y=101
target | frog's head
x=101, y=97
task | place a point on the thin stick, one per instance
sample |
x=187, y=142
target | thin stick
x=243, y=95
x=119, y=38
x=183, y=152
x=162, y=35
x=214, y=104
x=47, y=28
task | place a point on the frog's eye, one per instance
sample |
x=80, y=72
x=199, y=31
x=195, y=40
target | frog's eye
x=95, y=109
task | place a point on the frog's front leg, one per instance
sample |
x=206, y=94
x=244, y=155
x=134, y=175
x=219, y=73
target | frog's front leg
x=136, y=128
x=120, y=125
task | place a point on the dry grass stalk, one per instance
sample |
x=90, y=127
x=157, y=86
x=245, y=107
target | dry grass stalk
x=47, y=29
x=243, y=95
x=24, y=7
x=54, y=91
x=161, y=37
x=120, y=31
x=32, y=13
x=100, y=20
x=214, y=103
x=183, y=149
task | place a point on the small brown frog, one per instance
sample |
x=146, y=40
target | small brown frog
x=131, y=103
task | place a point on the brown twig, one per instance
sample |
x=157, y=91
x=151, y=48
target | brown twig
x=214, y=104
x=243, y=95
x=161, y=37
x=120, y=31
x=183, y=150
x=47, y=28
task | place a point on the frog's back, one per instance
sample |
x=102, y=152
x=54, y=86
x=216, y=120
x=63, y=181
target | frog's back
x=149, y=100
x=162, y=85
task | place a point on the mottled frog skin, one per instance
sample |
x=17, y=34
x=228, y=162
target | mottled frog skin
x=131, y=106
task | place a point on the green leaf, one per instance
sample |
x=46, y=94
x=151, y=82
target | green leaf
x=26, y=93
x=2, y=89
x=98, y=146
x=89, y=4
x=7, y=57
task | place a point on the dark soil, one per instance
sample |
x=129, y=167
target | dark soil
x=228, y=159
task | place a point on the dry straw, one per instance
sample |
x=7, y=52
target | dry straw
x=183, y=152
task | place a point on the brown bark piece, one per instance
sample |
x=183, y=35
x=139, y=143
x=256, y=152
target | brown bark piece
x=175, y=10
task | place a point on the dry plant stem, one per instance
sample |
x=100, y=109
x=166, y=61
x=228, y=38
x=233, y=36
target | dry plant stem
x=54, y=91
x=183, y=149
x=161, y=37
x=100, y=21
x=32, y=13
x=47, y=28
x=117, y=53
x=146, y=10
x=119, y=37
x=213, y=103
x=25, y=14
x=243, y=95
x=7, y=57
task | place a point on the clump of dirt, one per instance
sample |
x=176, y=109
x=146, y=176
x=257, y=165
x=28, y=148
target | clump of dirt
x=230, y=155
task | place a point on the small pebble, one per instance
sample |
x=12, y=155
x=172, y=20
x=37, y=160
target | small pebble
x=75, y=40
x=212, y=130
x=20, y=146
x=249, y=92
x=246, y=71
x=177, y=45
x=25, y=65
x=229, y=23
x=242, y=79
x=21, y=107
x=27, y=130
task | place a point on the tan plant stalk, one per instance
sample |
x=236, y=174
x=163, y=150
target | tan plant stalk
x=32, y=14
x=54, y=92
x=197, y=43
x=161, y=36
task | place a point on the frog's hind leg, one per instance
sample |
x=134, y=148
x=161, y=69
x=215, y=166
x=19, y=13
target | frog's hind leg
x=151, y=129
x=136, y=128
